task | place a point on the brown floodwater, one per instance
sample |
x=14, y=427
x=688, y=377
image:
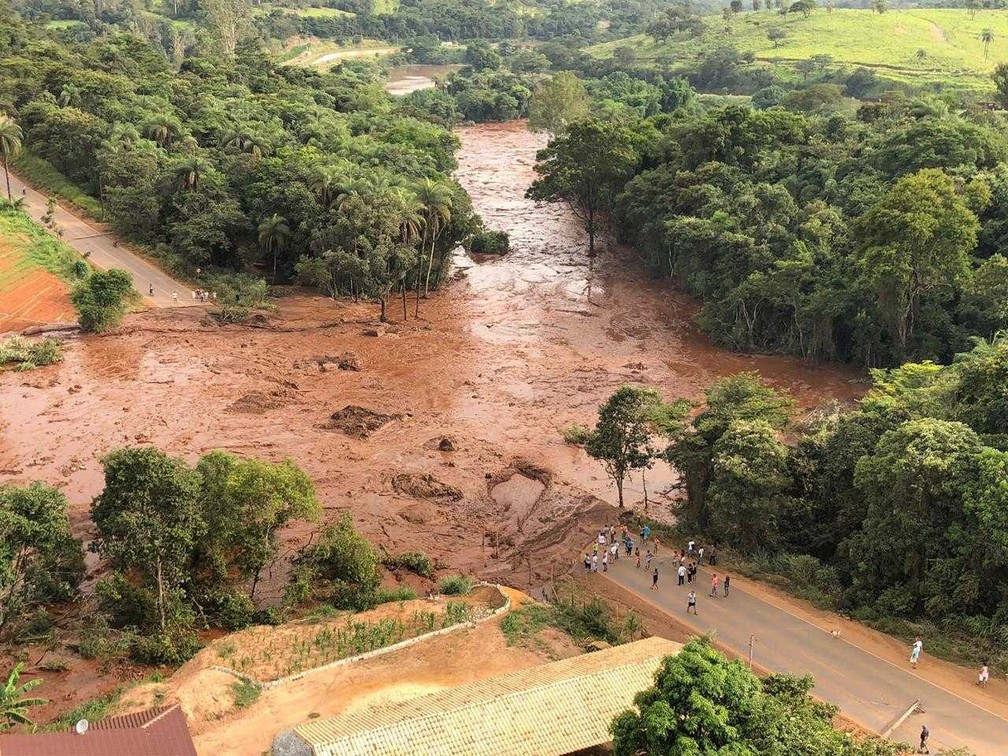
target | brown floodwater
x=411, y=78
x=512, y=351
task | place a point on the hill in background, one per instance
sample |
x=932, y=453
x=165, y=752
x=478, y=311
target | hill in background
x=937, y=48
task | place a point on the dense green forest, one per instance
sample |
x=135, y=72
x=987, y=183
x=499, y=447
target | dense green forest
x=229, y=162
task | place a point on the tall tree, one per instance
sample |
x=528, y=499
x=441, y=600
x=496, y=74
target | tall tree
x=14, y=699
x=148, y=520
x=245, y=503
x=274, y=235
x=436, y=198
x=11, y=139
x=227, y=18
x=585, y=167
x=40, y=561
x=621, y=438
x=987, y=37
x=555, y=103
x=702, y=703
x=916, y=239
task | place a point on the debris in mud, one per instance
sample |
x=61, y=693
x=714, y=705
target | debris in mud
x=424, y=487
x=446, y=445
x=419, y=513
x=256, y=402
x=359, y=422
x=637, y=366
x=381, y=330
x=327, y=363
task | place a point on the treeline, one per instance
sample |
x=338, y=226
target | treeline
x=869, y=238
x=230, y=163
x=184, y=547
x=894, y=510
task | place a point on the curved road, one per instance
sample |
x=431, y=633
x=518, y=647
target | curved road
x=870, y=690
x=99, y=247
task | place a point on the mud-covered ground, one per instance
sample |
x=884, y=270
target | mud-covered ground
x=513, y=350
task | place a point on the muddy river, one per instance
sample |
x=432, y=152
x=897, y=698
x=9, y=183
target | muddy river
x=475, y=391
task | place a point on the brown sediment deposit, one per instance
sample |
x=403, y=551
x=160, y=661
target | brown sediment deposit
x=501, y=359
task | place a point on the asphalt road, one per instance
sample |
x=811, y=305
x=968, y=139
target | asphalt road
x=868, y=689
x=100, y=248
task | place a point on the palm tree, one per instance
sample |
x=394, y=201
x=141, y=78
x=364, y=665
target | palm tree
x=436, y=198
x=10, y=145
x=68, y=94
x=274, y=234
x=987, y=36
x=327, y=181
x=190, y=171
x=162, y=129
x=13, y=700
x=243, y=141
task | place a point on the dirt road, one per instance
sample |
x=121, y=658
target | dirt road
x=873, y=689
x=99, y=247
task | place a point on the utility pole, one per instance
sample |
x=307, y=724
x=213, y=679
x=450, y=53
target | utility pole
x=752, y=641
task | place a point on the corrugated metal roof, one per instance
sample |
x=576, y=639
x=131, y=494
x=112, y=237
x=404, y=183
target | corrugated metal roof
x=554, y=708
x=156, y=732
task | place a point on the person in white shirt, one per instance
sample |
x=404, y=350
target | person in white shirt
x=682, y=574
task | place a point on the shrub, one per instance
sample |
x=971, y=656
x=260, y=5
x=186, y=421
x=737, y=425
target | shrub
x=489, y=243
x=100, y=300
x=27, y=355
x=231, y=314
x=231, y=610
x=245, y=693
x=174, y=647
x=576, y=434
x=455, y=585
x=415, y=561
x=399, y=593
x=341, y=569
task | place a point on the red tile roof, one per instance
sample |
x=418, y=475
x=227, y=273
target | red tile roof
x=155, y=732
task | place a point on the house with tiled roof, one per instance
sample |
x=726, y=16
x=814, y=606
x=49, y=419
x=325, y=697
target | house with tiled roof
x=155, y=732
x=558, y=708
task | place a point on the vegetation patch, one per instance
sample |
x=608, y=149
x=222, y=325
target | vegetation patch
x=245, y=693
x=26, y=354
x=455, y=585
x=414, y=561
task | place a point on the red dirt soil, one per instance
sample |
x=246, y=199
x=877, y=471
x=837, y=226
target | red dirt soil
x=30, y=296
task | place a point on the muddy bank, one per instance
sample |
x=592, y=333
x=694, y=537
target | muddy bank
x=502, y=359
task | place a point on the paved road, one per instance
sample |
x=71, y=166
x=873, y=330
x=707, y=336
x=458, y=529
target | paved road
x=869, y=689
x=98, y=246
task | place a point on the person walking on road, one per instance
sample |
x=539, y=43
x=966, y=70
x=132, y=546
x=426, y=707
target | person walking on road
x=151, y=290
x=654, y=580
x=682, y=575
x=915, y=652
x=983, y=676
x=174, y=296
x=691, y=602
x=925, y=734
x=594, y=562
x=647, y=560
x=587, y=562
x=700, y=555
x=638, y=559
x=605, y=562
x=713, y=585
x=727, y=581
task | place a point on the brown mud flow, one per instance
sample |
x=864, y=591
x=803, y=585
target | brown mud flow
x=460, y=401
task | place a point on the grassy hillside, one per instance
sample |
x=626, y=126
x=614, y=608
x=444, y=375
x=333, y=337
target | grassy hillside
x=326, y=53
x=952, y=57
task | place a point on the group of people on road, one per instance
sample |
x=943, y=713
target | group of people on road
x=608, y=545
